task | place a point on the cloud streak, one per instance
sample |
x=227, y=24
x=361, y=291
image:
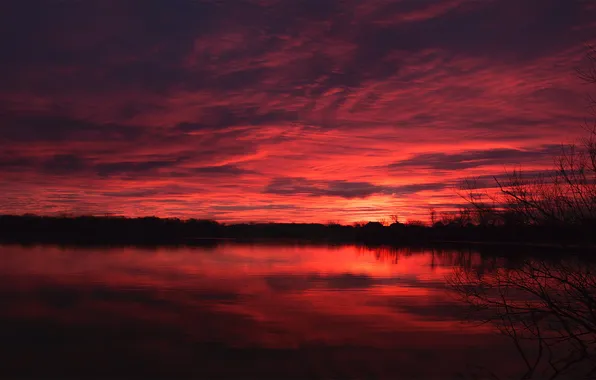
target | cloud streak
x=343, y=189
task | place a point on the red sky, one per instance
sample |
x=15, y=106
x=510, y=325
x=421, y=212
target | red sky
x=270, y=110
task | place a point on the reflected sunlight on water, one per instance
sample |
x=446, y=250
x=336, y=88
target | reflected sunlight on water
x=238, y=310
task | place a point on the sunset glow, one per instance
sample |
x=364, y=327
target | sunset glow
x=265, y=110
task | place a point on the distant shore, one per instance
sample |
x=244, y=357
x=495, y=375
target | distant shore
x=152, y=230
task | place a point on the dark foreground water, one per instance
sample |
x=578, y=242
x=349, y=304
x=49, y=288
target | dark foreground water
x=240, y=311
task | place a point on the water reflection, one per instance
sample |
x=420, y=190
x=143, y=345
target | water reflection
x=547, y=309
x=240, y=310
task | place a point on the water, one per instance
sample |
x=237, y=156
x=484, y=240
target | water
x=276, y=311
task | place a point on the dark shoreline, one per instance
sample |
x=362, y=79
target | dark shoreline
x=90, y=230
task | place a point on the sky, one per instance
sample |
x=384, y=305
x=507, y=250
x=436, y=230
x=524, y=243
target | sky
x=281, y=110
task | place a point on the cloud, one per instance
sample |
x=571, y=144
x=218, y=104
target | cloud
x=340, y=188
x=374, y=106
x=303, y=186
x=537, y=28
x=11, y=163
x=218, y=118
x=474, y=159
x=223, y=170
x=65, y=164
x=118, y=168
x=49, y=128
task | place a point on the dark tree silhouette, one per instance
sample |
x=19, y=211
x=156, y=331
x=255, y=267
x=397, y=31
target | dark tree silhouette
x=565, y=195
x=547, y=310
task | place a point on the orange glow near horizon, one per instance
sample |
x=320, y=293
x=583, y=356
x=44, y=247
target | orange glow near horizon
x=335, y=111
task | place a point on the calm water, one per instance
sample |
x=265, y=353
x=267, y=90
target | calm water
x=239, y=311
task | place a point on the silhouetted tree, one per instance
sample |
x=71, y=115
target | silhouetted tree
x=564, y=196
x=432, y=215
x=547, y=310
x=483, y=208
x=394, y=218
